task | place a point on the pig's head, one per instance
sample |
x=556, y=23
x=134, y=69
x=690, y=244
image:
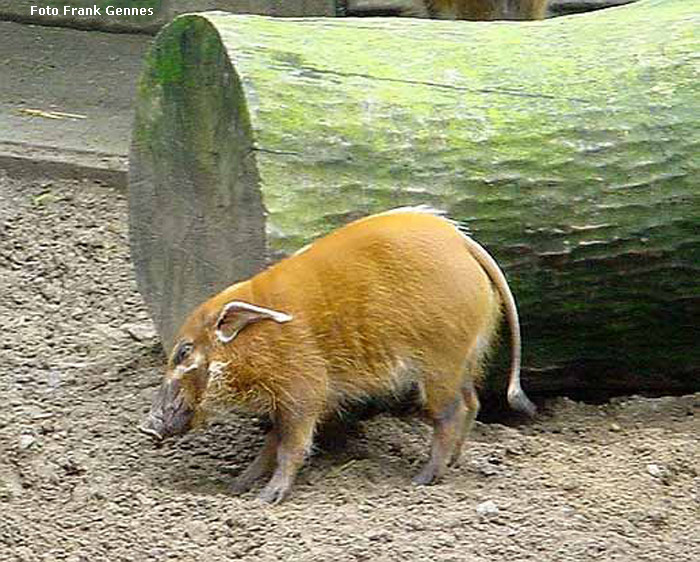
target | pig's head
x=198, y=348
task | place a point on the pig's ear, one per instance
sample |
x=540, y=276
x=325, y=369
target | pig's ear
x=236, y=315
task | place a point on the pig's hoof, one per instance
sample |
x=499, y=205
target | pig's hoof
x=241, y=486
x=273, y=494
x=426, y=476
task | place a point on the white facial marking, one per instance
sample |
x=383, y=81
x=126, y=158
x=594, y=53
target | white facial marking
x=214, y=384
x=180, y=370
x=216, y=368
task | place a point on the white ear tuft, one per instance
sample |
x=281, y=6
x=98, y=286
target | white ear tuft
x=236, y=315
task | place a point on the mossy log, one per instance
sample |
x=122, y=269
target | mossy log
x=570, y=147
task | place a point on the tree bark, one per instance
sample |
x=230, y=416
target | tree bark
x=570, y=147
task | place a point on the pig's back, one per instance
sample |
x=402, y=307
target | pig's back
x=385, y=293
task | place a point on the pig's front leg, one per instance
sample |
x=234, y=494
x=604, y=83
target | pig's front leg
x=295, y=439
x=263, y=465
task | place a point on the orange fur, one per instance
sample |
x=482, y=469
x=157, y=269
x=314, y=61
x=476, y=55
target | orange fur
x=392, y=301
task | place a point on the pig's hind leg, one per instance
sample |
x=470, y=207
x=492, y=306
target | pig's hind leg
x=447, y=412
x=471, y=401
x=473, y=373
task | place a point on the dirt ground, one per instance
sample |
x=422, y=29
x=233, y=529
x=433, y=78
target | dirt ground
x=79, y=363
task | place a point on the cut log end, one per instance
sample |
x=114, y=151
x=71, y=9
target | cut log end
x=196, y=215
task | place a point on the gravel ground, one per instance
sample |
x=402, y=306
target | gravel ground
x=79, y=363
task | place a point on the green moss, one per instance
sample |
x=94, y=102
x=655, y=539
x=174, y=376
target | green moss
x=561, y=143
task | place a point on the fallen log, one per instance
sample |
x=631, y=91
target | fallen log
x=570, y=147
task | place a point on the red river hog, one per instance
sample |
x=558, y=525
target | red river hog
x=395, y=301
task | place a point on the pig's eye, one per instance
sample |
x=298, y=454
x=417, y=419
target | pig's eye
x=182, y=352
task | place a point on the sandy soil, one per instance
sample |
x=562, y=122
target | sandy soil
x=79, y=362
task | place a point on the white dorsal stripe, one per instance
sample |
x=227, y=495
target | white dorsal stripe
x=425, y=209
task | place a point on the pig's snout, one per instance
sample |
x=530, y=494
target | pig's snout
x=170, y=414
x=152, y=426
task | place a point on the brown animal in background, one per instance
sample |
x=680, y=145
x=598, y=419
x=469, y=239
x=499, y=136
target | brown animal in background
x=479, y=10
x=396, y=301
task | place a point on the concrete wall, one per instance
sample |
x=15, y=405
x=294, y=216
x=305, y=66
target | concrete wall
x=163, y=11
